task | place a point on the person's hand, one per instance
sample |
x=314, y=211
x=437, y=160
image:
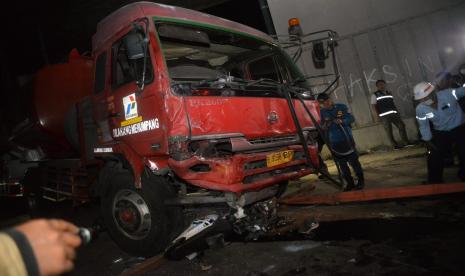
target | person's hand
x=54, y=243
x=338, y=121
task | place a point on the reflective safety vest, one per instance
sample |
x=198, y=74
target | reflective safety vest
x=385, y=103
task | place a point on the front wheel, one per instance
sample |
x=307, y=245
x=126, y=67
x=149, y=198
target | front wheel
x=137, y=219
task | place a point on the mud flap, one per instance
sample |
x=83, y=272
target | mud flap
x=200, y=235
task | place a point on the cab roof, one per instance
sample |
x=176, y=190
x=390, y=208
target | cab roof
x=121, y=18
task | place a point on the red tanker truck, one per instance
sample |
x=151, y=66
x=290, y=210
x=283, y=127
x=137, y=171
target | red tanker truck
x=175, y=116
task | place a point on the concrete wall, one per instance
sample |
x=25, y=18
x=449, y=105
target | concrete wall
x=348, y=16
x=403, y=42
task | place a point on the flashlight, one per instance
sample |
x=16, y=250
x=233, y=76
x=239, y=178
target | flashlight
x=88, y=234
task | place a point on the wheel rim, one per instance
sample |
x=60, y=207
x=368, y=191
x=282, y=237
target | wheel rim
x=131, y=214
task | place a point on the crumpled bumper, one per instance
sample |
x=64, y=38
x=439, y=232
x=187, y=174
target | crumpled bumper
x=243, y=171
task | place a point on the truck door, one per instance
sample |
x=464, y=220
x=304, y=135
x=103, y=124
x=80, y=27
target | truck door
x=102, y=106
x=136, y=115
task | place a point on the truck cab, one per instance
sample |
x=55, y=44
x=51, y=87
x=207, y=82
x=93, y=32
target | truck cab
x=175, y=115
x=189, y=114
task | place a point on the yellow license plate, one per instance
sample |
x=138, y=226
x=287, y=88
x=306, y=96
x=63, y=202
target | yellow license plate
x=278, y=158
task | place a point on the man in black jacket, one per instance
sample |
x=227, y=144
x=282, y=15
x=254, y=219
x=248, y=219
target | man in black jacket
x=384, y=108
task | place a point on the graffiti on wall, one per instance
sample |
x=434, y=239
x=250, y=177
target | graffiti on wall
x=399, y=84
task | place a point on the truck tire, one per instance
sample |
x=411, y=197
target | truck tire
x=137, y=219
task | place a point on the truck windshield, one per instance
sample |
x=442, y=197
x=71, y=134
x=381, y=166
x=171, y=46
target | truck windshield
x=198, y=56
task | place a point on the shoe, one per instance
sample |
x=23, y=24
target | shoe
x=359, y=187
x=397, y=147
x=409, y=145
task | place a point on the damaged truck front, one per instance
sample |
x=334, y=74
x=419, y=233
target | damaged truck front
x=189, y=118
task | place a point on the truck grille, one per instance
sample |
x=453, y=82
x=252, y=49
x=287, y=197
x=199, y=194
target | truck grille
x=241, y=144
x=266, y=140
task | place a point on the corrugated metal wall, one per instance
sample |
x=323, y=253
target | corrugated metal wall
x=403, y=52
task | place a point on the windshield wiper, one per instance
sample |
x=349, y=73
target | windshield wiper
x=266, y=81
x=220, y=82
x=231, y=82
x=235, y=82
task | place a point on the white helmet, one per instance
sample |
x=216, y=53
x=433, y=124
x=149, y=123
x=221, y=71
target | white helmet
x=422, y=90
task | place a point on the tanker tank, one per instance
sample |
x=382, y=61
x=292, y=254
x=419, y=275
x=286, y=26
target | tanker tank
x=52, y=126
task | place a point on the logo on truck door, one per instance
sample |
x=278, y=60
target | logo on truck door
x=273, y=117
x=143, y=126
x=130, y=106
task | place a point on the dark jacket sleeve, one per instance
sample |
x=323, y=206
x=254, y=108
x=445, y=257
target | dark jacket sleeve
x=347, y=117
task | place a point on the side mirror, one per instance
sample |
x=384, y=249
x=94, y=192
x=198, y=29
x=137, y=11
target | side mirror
x=135, y=47
x=318, y=55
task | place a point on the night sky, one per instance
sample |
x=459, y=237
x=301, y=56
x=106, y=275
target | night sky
x=45, y=31
x=39, y=32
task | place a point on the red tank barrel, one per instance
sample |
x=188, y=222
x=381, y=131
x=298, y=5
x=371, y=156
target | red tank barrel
x=56, y=90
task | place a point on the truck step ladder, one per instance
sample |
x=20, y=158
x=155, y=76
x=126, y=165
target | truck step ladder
x=66, y=180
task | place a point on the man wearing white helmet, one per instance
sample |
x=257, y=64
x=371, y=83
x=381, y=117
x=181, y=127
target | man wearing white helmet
x=442, y=110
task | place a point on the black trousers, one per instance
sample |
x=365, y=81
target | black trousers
x=394, y=119
x=352, y=160
x=443, y=142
